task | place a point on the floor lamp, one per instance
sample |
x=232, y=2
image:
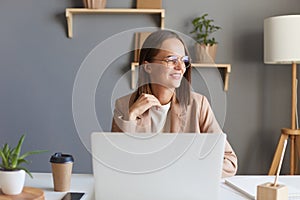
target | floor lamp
x=282, y=46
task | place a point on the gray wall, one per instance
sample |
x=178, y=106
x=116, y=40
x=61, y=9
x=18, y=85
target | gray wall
x=39, y=64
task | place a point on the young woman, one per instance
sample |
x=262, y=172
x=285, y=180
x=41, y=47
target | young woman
x=164, y=101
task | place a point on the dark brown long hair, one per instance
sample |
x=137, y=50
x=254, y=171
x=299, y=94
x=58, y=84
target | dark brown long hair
x=149, y=50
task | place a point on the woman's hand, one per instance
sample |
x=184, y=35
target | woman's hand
x=142, y=104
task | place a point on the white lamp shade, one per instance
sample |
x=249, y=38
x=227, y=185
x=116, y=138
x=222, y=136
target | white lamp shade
x=282, y=39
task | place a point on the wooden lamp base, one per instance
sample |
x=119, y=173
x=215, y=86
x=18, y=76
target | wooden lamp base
x=269, y=191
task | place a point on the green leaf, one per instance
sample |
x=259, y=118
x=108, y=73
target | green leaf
x=16, y=153
x=19, y=146
x=4, y=159
x=31, y=153
x=6, y=149
x=20, y=161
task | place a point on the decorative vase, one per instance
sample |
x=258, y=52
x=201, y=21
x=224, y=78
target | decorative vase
x=94, y=4
x=12, y=182
x=148, y=4
x=205, y=54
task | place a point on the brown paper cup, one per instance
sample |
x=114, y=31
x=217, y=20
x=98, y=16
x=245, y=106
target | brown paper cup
x=61, y=174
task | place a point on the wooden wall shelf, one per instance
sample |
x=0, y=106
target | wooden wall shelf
x=226, y=67
x=71, y=11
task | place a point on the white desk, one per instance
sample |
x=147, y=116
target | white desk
x=85, y=183
x=79, y=183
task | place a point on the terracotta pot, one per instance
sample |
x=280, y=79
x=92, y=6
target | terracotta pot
x=205, y=54
x=94, y=4
x=12, y=182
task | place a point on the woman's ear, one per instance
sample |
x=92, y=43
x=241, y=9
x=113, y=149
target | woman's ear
x=147, y=67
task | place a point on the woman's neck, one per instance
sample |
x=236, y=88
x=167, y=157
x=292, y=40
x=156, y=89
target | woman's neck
x=163, y=94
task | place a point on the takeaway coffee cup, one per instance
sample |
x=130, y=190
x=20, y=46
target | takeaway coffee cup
x=61, y=165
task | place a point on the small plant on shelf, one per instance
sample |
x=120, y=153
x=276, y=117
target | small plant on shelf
x=203, y=28
x=206, y=45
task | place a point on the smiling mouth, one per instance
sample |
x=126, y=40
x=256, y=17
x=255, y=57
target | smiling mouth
x=176, y=75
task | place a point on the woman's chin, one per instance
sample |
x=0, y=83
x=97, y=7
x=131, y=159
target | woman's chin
x=175, y=85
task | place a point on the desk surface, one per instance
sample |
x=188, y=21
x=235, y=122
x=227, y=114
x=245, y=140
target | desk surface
x=85, y=183
x=79, y=183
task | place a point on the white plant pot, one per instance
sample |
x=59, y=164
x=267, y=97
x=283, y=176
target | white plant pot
x=12, y=182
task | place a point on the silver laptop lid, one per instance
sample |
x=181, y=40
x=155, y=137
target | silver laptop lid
x=157, y=166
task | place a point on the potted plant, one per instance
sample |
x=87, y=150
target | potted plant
x=206, y=45
x=12, y=174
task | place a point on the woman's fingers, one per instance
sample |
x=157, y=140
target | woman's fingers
x=143, y=103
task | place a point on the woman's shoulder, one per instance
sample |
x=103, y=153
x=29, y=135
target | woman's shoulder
x=197, y=96
x=199, y=100
x=126, y=98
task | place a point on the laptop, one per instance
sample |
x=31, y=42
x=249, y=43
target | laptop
x=164, y=166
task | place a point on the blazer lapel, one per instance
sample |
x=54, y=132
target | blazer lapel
x=178, y=117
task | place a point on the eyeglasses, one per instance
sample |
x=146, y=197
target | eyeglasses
x=173, y=61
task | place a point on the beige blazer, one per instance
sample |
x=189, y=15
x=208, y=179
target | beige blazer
x=198, y=117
